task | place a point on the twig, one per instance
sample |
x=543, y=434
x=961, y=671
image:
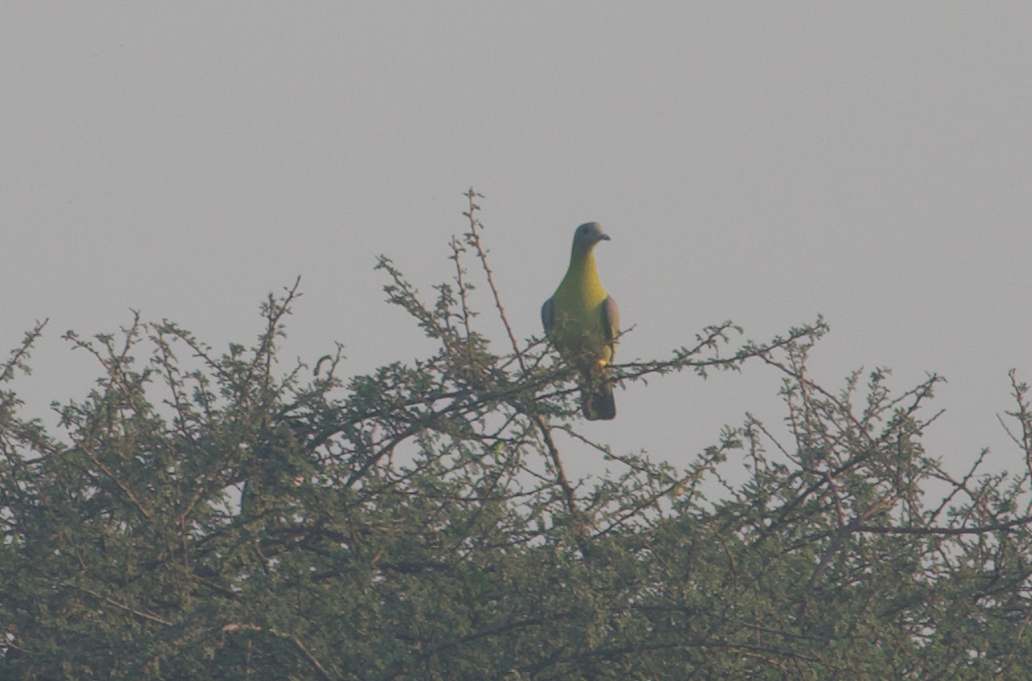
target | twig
x=475, y=240
x=115, y=603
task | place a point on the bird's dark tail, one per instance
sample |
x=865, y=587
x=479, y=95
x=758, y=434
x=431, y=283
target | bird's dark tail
x=599, y=404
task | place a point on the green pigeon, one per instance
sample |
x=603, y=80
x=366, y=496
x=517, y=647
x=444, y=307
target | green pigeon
x=582, y=321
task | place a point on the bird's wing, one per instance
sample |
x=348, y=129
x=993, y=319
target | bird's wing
x=610, y=318
x=547, y=315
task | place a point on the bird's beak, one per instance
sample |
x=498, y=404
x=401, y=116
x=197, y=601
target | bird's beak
x=603, y=237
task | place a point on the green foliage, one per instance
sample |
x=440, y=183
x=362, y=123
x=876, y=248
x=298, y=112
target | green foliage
x=210, y=516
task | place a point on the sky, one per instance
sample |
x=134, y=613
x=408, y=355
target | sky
x=759, y=162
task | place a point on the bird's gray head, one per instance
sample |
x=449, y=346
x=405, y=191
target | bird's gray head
x=589, y=234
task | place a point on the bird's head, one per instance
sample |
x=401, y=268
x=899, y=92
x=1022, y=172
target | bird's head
x=587, y=235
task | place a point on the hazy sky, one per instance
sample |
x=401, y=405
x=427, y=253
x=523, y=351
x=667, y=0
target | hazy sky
x=763, y=162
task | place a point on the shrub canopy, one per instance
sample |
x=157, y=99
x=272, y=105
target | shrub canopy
x=206, y=515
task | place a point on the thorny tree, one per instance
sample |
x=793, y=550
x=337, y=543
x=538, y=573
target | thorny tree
x=208, y=516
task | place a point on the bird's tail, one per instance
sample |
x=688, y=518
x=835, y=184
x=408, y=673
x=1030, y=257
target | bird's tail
x=598, y=403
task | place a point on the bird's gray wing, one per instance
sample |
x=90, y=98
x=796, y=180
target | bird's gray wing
x=610, y=318
x=547, y=315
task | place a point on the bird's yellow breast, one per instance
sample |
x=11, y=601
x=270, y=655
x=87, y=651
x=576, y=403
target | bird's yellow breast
x=578, y=330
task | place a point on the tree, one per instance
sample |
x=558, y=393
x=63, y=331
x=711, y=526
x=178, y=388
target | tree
x=216, y=518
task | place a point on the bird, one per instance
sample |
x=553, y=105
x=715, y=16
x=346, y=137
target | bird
x=582, y=322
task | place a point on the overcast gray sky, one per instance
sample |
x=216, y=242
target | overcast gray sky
x=763, y=162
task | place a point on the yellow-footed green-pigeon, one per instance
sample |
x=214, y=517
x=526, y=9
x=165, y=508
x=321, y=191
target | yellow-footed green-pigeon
x=582, y=321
